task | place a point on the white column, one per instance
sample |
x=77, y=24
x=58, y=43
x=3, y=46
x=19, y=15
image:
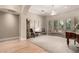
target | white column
x=23, y=22
x=22, y=27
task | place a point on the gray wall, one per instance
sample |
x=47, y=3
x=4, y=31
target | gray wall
x=9, y=25
x=44, y=23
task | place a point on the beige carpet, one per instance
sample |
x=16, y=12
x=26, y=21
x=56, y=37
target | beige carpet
x=54, y=44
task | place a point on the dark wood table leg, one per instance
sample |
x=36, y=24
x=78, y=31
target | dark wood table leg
x=67, y=41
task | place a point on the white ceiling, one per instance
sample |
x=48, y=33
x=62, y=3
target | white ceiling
x=48, y=9
x=38, y=9
x=14, y=9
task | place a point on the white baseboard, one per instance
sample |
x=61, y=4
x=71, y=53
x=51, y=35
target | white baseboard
x=23, y=39
x=9, y=38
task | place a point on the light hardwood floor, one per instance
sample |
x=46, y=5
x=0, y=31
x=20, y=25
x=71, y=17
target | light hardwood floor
x=18, y=46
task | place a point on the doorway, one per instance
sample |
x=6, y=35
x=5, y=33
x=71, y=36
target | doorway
x=27, y=28
x=30, y=32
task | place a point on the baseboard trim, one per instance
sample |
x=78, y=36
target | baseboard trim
x=9, y=38
x=57, y=34
x=23, y=39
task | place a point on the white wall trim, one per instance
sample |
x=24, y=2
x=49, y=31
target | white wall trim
x=23, y=38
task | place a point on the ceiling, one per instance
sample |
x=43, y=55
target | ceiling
x=13, y=9
x=39, y=9
x=51, y=9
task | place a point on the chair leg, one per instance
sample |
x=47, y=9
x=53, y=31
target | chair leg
x=75, y=42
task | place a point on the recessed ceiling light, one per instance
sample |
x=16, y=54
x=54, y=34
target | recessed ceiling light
x=53, y=12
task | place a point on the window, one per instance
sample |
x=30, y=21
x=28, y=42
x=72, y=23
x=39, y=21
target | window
x=68, y=24
x=50, y=25
x=55, y=25
x=61, y=26
x=77, y=25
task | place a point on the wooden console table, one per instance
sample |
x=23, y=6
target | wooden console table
x=72, y=35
